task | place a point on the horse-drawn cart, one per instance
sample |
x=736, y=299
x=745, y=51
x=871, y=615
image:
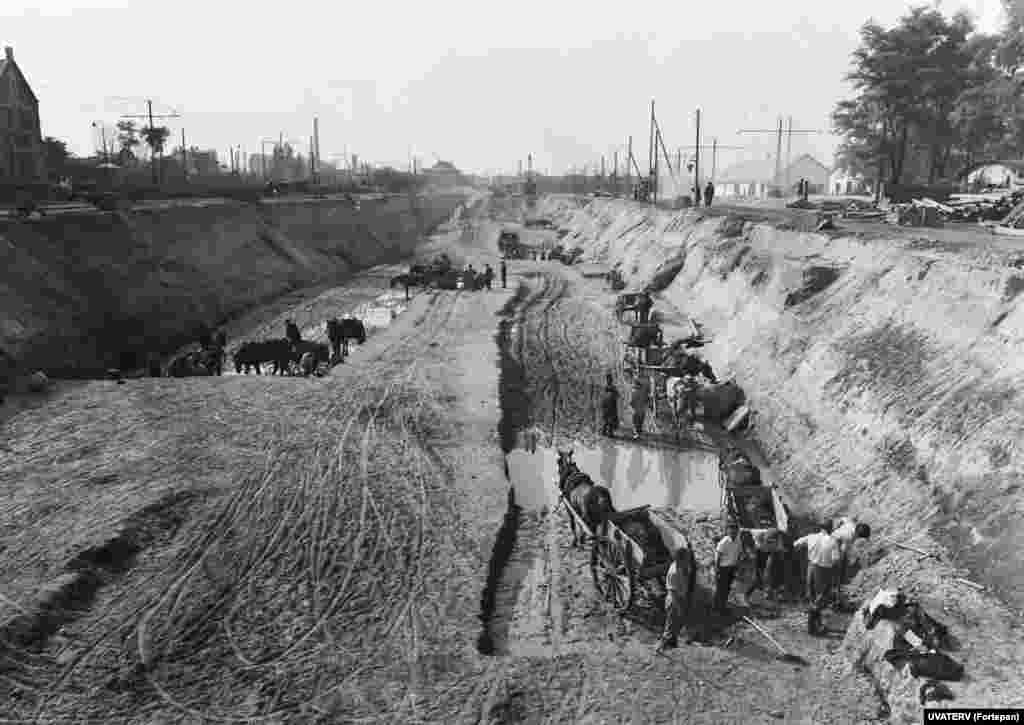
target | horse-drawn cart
x=746, y=499
x=644, y=346
x=630, y=553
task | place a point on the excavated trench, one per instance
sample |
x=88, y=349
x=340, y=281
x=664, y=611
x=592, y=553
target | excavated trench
x=883, y=390
x=92, y=293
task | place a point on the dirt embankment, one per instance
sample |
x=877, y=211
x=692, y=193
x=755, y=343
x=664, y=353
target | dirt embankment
x=886, y=379
x=81, y=291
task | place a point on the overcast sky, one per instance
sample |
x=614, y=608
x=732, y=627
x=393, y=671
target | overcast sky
x=478, y=83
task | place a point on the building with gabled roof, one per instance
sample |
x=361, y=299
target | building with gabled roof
x=755, y=178
x=22, y=157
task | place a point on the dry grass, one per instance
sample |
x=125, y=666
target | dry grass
x=296, y=580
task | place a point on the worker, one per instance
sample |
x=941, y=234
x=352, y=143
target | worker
x=822, y=558
x=679, y=583
x=727, y=558
x=639, y=401
x=846, y=533
x=709, y=193
x=488, y=276
x=643, y=307
x=609, y=407
x=766, y=554
x=504, y=274
x=291, y=331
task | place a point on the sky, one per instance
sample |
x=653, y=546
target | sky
x=475, y=83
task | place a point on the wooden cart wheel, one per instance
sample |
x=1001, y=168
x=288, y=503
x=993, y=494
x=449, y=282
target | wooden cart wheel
x=611, y=566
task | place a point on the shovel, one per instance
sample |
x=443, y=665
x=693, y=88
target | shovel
x=784, y=656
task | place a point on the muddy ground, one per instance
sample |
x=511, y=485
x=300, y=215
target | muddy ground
x=561, y=339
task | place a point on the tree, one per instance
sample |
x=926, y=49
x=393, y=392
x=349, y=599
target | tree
x=910, y=80
x=156, y=137
x=56, y=155
x=128, y=138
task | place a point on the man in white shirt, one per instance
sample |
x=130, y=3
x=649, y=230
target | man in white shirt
x=679, y=585
x=822, y=558
x=846, y=533
x=727, y=557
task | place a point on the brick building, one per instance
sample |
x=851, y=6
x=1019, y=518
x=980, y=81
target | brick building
x=21, y=143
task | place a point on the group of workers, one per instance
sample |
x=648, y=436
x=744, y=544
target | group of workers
x=829, y=551
x=639, y=401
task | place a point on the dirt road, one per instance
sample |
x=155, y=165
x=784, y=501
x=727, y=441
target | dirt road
x=313, y=550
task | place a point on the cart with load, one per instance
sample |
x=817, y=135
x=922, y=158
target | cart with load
x=644, y=346
x=629, y=302
x=630, y=554
x=746, y=499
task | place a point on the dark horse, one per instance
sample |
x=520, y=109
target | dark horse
x=254, y=354
x=590, y=500
x=339, y=332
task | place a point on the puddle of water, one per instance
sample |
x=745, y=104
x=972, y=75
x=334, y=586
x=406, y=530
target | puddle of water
x=635, y=475
x=383, y=310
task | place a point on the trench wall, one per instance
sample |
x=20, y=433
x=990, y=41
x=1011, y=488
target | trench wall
x=77, y=291
x=886, y=373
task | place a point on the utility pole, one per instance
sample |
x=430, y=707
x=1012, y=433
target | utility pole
x=696, y=161
x=629, y=170
x=103, y=137
x=150, y=116
x=789, y=146
x=615, y=174
x=314, y=162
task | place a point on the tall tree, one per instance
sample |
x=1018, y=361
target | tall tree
x=909, y=81
x=128, y=138
x=56, y=155
x=156, y=137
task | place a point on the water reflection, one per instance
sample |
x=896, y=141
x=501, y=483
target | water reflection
x=662, y=478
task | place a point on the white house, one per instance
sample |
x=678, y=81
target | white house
x=841, y=183
x=750, y=179
x=754, y=179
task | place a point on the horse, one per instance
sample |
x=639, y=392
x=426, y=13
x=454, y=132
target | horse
x=339, y=332
x=254, y=354
x=682, y=395
x=592, y=501
x=188, y=365
x=318, y=352
x=212, y=358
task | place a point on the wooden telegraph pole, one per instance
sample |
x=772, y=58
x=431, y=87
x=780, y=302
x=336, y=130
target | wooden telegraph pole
x=629, y=169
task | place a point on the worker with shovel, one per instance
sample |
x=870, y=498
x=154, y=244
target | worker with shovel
x=822, y=558
x=679, y=585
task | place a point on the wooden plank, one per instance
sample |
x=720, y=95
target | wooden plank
x=751, y=491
